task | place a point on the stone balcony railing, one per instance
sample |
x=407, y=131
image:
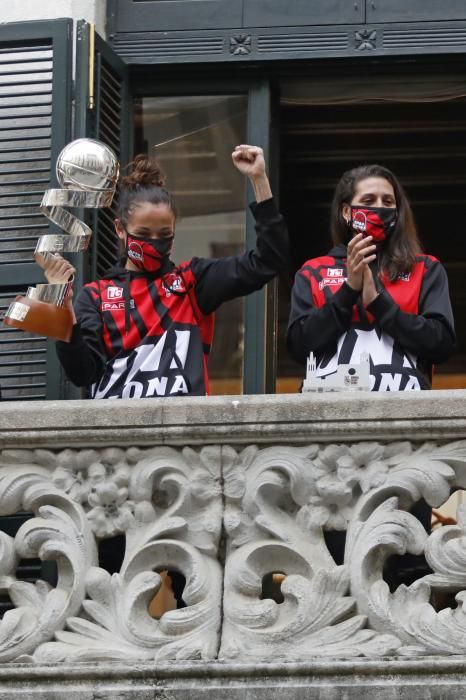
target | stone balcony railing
x=227, y=491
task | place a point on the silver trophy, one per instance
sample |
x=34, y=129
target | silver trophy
x=87, y=171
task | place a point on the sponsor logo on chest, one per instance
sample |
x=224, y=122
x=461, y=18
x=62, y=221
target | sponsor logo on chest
x=113, y=293
x=112, y=305
x=112, y=299
x=332, y=277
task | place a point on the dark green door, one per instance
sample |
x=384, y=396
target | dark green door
x=103, y=112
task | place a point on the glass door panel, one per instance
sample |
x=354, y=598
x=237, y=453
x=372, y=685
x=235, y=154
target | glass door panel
x=192, y=137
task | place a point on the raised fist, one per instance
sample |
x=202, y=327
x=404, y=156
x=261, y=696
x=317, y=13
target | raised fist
x=249, y=160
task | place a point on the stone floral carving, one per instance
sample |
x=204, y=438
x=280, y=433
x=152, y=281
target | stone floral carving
x=279, y=500
x=381, y=526
x=168, y=504
x=276, y=504
x=446, y=554
x=58, y=531
x=99, y=481
x=337, y=470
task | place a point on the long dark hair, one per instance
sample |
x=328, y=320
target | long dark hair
x=145, y=182
x=398, y=254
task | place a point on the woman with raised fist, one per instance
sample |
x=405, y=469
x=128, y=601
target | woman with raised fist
x=145, y=329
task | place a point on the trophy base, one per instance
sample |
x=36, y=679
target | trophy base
x=29, y=314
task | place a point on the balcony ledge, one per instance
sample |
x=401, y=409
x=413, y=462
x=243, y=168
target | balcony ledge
x=239, y=419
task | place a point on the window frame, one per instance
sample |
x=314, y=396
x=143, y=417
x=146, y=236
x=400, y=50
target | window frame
x=260, y=318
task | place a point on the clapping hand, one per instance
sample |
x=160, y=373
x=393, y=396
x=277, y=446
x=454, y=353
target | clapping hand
x=361, y=252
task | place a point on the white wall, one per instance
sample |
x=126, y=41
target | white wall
x=24, y=10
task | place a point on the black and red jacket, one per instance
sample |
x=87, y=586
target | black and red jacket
x=405, y=330
x=140, y=335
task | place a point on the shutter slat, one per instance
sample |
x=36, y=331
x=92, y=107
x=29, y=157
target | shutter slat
x=26, y=75
x=111, y=99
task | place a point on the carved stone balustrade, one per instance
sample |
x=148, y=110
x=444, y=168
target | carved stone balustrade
x=249, y=500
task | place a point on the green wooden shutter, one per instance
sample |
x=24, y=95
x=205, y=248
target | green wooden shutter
x=108, y=121
x=35, y=98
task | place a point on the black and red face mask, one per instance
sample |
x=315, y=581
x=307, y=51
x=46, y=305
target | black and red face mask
x=146, y=253
x=378, y=222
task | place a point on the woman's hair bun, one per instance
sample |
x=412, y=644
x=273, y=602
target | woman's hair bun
x=143, y=172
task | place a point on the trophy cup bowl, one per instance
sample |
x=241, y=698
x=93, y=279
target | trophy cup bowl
x=87, y=171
